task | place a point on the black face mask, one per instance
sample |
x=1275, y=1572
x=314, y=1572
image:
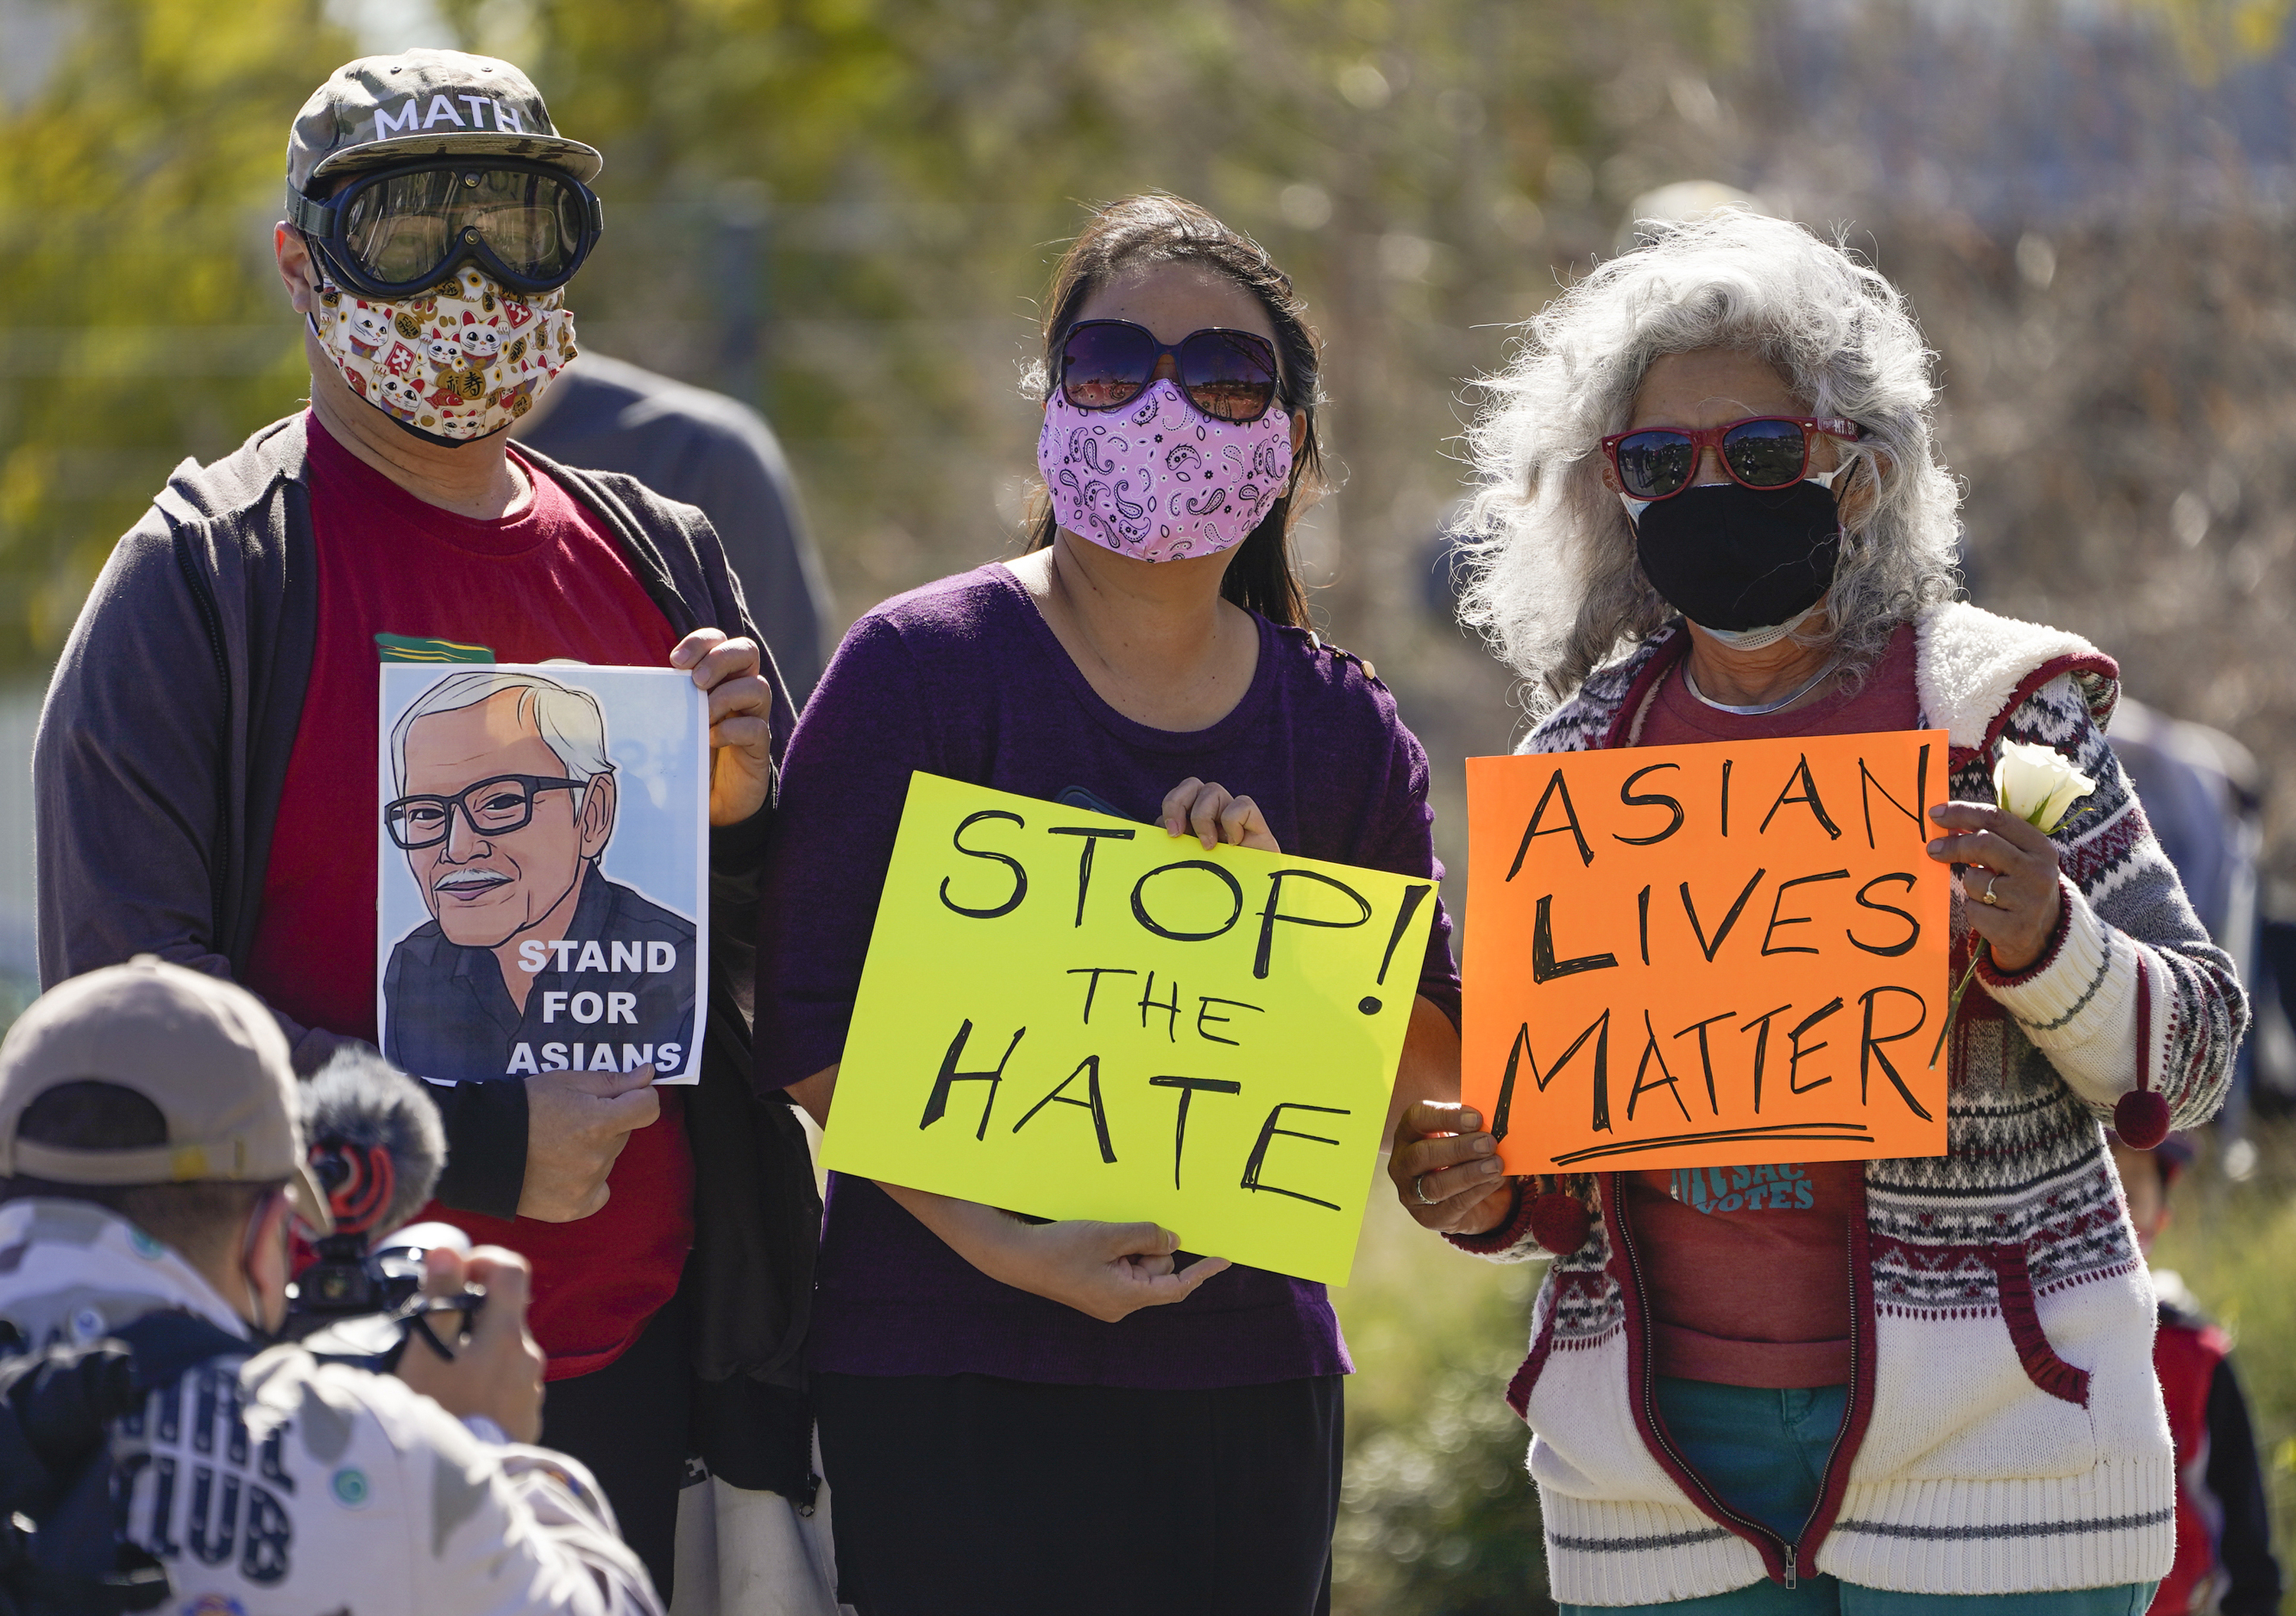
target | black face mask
x=1730, y=556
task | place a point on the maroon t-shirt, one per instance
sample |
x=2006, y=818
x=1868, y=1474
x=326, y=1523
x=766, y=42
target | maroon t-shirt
x=545, y=581
x=1748, y=1266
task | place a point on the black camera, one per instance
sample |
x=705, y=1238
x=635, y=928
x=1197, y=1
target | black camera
x=347, y=1278
x=361, y=1306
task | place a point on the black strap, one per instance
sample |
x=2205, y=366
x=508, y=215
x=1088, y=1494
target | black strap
x=306, y=214
x=140, y=1582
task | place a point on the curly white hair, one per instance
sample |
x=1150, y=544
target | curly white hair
x=1552, y=575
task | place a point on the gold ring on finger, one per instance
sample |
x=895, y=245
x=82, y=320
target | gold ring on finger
x=1986, y=897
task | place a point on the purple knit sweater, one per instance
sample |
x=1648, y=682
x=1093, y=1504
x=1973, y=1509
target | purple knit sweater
x=963, y=678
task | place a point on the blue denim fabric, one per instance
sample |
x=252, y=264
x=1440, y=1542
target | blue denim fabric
x=1763, y=1451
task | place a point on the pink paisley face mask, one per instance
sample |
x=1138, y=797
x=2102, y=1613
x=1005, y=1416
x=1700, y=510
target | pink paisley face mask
x=1159, y=479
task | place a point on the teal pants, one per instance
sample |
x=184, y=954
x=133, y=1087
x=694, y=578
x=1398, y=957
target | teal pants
x=1764, y=1452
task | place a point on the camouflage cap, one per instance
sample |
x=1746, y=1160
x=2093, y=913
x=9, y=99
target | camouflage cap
x=205, y=1051
x=382, y=109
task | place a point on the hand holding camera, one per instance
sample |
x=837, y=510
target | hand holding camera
x=496, y=1370
x=417, y=1302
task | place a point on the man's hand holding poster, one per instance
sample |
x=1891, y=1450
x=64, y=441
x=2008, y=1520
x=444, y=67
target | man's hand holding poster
x=545, y=844
x=1707, y=956
x=1071, y=1016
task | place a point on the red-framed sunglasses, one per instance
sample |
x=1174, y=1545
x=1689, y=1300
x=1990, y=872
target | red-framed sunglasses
x=1229, y=375
x=1760, y=451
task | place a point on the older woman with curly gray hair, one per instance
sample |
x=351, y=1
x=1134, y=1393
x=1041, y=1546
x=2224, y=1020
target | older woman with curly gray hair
x=1714, y=513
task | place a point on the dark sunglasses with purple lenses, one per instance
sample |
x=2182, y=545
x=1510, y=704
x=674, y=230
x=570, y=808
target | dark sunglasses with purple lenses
x=1229, y=375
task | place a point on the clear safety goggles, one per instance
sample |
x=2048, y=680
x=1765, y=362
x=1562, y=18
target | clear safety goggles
x=393, y=232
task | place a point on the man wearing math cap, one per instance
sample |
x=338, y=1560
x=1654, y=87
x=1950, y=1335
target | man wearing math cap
x=205, y=771
x=151, y=1162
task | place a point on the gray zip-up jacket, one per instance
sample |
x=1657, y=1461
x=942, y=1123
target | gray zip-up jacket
x=157, y=771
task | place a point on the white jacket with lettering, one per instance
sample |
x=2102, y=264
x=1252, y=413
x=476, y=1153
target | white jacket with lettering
x=274, y=1485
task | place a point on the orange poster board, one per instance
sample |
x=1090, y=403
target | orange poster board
x=1708, y=956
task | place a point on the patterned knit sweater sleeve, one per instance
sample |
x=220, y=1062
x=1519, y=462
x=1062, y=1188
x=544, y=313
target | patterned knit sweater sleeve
x=2129, y=989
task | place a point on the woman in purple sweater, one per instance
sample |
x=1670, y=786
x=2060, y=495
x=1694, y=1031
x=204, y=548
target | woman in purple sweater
x=1021, y=1416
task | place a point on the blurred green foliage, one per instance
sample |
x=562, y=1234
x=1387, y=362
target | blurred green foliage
x=137, y=321
x=2234, y=1246
x=1436, y=1511
x=2213, y=34
x=839, y=208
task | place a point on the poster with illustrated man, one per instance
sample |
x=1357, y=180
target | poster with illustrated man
x=545, y=848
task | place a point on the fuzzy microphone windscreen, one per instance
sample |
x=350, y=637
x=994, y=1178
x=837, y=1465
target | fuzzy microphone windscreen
x=375, y=1138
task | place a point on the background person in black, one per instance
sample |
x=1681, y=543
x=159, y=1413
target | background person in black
x=715, y=452
x=504, y=799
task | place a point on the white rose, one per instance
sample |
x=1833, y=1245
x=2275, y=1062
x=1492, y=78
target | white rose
x=2037, y=785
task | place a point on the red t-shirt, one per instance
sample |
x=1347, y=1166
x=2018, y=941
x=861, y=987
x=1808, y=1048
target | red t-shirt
x=1748, y=1266
x=545, y=581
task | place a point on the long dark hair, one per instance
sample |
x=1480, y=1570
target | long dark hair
x=1156, y=227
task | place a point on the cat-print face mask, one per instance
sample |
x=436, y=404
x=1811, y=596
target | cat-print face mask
x=1159, y=479
x=460, y=362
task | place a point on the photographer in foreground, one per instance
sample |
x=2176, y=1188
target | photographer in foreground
x=154, y=1160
